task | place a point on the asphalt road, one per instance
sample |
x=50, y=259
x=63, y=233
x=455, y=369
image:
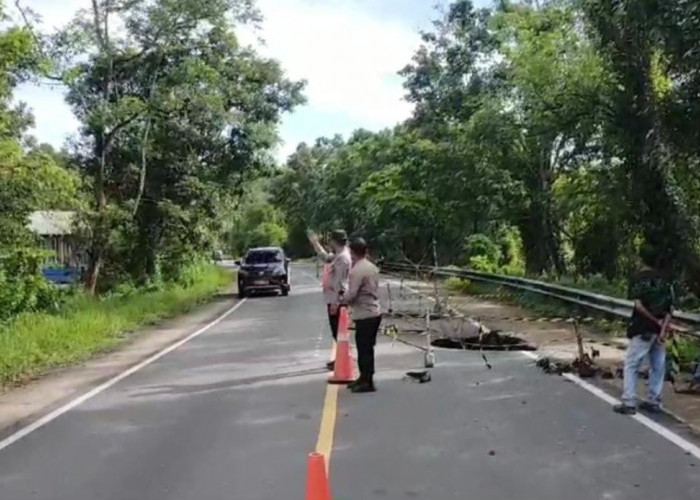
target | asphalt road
x=233, y=413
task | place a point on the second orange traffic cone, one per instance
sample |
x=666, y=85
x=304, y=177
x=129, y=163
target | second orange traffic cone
x=342, y=373
x=317, y=487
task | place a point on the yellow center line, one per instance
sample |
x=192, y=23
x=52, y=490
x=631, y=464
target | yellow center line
x=324, y=445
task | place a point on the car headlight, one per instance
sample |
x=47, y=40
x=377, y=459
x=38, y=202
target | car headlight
x=280, y=273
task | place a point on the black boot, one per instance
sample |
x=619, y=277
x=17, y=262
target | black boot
x=354, y=383
x=364, y=385
x=357, y=381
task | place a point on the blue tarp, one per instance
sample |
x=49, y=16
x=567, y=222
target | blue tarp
x=62, y=276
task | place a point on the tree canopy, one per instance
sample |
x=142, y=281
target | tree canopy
x=178, y=119
x=560, y=133
x=547, y=137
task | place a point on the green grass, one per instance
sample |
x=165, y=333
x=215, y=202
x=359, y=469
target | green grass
x=595, y=284
x=35, y=342
x=688, y=351
x=459, y=285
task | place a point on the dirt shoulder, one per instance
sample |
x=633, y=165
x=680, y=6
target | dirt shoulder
x=21, y=405
x=556, y=340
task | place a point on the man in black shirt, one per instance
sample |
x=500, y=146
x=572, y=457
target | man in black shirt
x=653, y=297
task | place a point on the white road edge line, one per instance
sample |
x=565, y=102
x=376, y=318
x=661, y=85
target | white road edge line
x=659, y=429
x=37, y=424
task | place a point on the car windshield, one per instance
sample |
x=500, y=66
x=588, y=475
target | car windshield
x=263, y=257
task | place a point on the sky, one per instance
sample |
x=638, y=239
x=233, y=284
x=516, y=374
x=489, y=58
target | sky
x=349, y=51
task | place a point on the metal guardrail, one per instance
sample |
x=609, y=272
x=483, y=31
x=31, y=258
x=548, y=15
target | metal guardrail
x=587, y=300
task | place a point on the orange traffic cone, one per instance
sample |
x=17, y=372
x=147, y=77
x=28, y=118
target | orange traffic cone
x=317, y=487
x=343, y=364
x=343, y=322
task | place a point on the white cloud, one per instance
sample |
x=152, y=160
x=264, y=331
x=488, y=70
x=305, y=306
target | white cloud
x=54, y=121
x=53, y=13
x=348, y=56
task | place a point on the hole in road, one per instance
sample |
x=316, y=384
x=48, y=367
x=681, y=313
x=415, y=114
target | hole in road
x=492, y=341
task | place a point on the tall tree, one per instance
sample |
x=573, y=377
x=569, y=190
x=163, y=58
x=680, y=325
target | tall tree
x=29, y=180
x=555, y=84
x=525, y=83
x=641, y=47
x=174, y=111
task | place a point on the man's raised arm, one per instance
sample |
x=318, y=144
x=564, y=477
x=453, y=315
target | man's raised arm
x=320, y=251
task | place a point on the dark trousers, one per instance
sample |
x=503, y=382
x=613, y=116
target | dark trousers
x=366, y=338
x=333, y=320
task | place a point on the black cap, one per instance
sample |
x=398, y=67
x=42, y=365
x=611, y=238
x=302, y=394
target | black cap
x=359, y=247
x=339, y=236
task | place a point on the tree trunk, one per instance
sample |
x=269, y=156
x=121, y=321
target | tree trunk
x=541, y=240
x=93, y=271
x=150, y=253
x=534, y=246
x=99, y=229
x=144, y=263
x=96, y=260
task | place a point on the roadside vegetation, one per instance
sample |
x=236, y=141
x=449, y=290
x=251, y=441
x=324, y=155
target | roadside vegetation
x=178, y=121
x=82, y=326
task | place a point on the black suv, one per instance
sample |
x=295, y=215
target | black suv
x=263, y=270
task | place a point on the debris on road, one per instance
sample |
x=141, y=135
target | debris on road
x=583, y=364
x=421, y=377
x=550, y=367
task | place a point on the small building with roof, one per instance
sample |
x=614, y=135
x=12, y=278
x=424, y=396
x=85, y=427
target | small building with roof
x=56, y=229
